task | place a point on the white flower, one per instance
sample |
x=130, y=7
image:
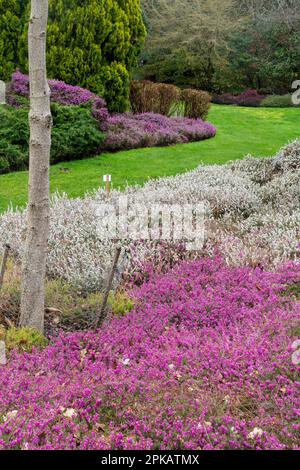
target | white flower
x=296, y=354
x=171, y=366
x=296, y=358
x=69, y=413
x=125, y=362
x=10, y=415
x=296, y=345
x=257, y=432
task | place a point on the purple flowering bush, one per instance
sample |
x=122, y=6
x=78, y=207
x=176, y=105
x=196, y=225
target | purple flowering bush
x=61, y=93
x=207, y=357
x=124, y=131
x=128, y=131
x=203, y=361
x=247, y=98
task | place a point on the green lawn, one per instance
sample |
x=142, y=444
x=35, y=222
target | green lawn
x=258, y=131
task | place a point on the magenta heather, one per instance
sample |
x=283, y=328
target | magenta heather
x=246, y=98
x=202, y=362
x=66, y=95
x=124, y=131
x=127, y=131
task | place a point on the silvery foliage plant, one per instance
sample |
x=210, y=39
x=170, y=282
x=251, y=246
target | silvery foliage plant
x=252, y=214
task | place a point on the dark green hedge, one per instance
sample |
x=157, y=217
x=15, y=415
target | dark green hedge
x=75, y=135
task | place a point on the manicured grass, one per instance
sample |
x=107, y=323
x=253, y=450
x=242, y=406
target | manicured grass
x=258, y=131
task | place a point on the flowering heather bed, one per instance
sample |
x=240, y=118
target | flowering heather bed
x=202, y=362
x=60, y=92
x=128, y=131
x=246, y=98
x=253, y=217
x=124, y=131
x=66, y=95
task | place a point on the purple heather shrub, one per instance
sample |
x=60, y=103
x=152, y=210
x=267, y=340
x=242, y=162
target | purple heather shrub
x=203, y=361
x=20, y=84
x=246, y=98
x=65, y=95
x=250, y=98
x=126, y=131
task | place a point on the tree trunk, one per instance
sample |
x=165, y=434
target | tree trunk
x=40, y=120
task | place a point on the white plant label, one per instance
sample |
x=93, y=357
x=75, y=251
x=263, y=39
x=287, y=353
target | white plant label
x=107, y=178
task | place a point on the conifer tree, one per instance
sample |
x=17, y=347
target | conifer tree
x=91, y=43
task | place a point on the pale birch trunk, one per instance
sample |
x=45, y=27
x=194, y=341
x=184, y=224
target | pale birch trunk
x=40, y=120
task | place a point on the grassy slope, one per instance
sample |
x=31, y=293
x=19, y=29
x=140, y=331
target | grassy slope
x=260, y=132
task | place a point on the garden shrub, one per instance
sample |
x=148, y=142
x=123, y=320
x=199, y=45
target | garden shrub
x=196, y=103
x=61, y=93
x=75, y=134
x=225, y=98
x=244, y=203
x=144, y=97
x=251, y=98
x=169, y=97
x=202, y=362
x=161, y=98
x=128, y=131
x=288, y=158
x=14, y=137
x=97, y=52
x=278, y=101
x=25, y=339
x=149, y=97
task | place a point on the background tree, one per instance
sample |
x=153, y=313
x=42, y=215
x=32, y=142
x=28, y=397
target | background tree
x=222, y=45
x=187, y=41
x=265, y=52
x=93, y=44
x=34, y=262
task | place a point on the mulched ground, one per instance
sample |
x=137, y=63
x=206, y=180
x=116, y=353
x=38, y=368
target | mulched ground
x=55, y=320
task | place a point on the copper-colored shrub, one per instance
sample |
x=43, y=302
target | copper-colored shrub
x=169, y=97
x=161, y=98
x=144, y=97
x=196, y=103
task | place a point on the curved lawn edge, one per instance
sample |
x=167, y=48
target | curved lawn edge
x=258, y=131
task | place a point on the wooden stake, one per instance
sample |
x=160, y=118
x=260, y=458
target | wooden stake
x=4, y=264
x=101, y=317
